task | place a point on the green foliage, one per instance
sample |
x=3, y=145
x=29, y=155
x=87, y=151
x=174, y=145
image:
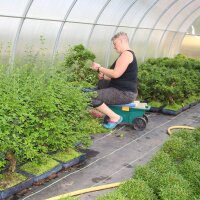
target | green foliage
x=176, y=148
x=8, y=180
x=196, y=135
x=169, y=80
x=66, y=155
x=173, y=106
x=174, y=186
x=155, y=104
x=40, y=166
x=190, y=170
x=172, y=173
x=179, y=147
x=137, y=190
x=77, y=65
x=151, y=173
x=41, y=111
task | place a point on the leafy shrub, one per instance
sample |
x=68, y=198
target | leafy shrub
x=176, y=148
x=40, y=112
x=190, y=170
x=169, y=80
x=136, y=190
x=77, y=63
x=174, y=186
x=196, y=135
x=172, y=173
x=160, y=164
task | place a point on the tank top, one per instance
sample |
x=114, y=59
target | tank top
x=128, y=80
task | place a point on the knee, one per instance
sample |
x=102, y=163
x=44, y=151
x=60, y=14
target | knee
x=96, y=103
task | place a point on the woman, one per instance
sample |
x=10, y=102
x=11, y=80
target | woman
x=122, y=76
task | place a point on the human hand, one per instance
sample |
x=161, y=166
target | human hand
x=95, y=66
x=100, y=76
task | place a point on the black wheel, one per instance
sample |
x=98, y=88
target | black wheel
x=146, y=118
x=105, y=120
x=139, y=123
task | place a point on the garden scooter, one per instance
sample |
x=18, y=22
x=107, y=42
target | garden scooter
x=132, y=113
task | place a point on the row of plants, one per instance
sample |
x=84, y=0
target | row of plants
x=170, y=82
x=43, y=110
x=172, y=173
x=37, y=172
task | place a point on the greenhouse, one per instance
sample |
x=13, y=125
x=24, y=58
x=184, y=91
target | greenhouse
x=58, y=141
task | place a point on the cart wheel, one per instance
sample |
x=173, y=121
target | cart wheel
x=139, y=123
x=105, y=120
x=146, y=118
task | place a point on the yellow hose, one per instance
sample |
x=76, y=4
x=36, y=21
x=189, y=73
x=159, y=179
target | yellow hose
x=91, y=189
x=112, y=185
x=178, y=127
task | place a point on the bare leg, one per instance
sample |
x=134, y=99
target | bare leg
x=107, y=111
x=96, y=113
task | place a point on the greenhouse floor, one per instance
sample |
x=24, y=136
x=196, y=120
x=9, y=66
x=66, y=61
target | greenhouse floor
x=113, y=156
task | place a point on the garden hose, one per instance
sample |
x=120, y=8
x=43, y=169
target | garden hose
x=178, y=127
x=112, y=185
x=86, y=190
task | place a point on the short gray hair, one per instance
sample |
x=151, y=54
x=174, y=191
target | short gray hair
x=120, y=34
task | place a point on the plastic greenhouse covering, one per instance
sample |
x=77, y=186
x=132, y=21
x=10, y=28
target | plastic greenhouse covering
x=156, y=28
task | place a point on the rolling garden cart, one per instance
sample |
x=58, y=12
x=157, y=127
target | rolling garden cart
x=132, y=113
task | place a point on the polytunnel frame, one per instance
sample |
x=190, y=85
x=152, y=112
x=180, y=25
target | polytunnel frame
x=23, y=17
x=145, y=13
x=166, y=29
x=136, y=28
x=95, y=21
x=156, y=22
x=170, y=46
x=60, y=30
x=117, y=26
x=193, y=22
x=148, y=9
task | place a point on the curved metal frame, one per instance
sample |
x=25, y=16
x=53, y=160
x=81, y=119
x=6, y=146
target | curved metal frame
x=114, y=32
x=60, y=30
x=153, y=28
x=13, y=52
x=170, y=46
x=185, y=33
x=108, y=53
x=166, y=29
x=95, y=22
x=148, y=10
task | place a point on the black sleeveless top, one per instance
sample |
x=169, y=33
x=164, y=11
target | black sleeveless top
x=128, y=80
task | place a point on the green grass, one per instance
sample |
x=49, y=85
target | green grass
x=155, y=104
x=191, y=99
x=173, y=107
x=8, y=180
x=39, y=167
x=67, y=155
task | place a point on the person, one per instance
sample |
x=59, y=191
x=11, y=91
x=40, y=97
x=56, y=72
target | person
x=118, y=84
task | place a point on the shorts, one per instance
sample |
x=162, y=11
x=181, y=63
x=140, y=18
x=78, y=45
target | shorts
x=112, y=96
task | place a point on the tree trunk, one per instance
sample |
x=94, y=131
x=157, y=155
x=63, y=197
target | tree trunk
x=12, y=161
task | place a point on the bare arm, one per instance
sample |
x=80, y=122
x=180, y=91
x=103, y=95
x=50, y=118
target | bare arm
x=120, y=67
